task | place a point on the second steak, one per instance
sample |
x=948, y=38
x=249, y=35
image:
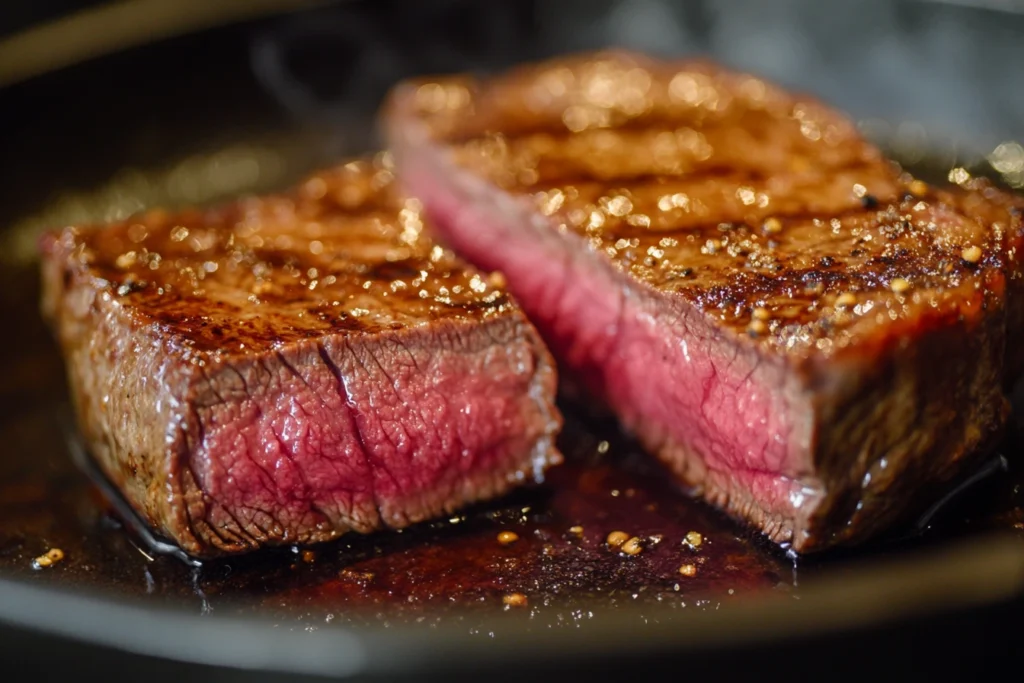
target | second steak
x=809, y=338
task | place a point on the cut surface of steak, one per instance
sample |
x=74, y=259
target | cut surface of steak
x=287, y=368
x=807, y=336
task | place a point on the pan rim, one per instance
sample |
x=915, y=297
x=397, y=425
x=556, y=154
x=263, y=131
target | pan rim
x=983, y=571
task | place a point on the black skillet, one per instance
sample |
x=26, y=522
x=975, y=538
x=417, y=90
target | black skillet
x=251, y=105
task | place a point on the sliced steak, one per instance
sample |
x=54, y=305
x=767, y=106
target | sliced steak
x=289, y=368
x=807, y=336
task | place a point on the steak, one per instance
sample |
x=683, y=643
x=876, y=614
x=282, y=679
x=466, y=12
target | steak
x=807, y=336
x=285, y=369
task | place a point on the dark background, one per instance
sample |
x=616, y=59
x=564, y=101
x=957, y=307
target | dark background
x=938, y=62
x=284, y=93
x=16, y=15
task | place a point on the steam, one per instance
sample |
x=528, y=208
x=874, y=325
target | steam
x=919, y=75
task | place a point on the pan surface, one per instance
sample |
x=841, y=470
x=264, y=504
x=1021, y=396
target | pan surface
x=250, y=107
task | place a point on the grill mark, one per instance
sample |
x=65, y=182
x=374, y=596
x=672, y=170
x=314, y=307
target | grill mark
x=738, y=175
x=552, y=177
x=678, y=117
x=713, y=172
x=624, y=230
x=388, y=271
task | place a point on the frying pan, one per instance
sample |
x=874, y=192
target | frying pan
x=193, y=108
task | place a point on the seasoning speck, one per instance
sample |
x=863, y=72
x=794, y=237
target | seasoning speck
x=845, y=300
x=497, y=280
x=617, y=538
x=49, y=558
x=126, y=260
x=361, y=577
x=578, y=530
x=711, y=247
x=514, y=600
x=693, y=539
x=757, y=327
x=632, y=546
x=959, y=175
x=971, y=254
x=688, y=570
x=508, y=537
x=761, y=314
x=899, y=285
x=308, y=556
x=919, y=188
x=772, y=226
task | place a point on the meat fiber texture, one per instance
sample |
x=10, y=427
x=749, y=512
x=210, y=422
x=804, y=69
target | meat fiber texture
x=807, y=336
x=285, y=369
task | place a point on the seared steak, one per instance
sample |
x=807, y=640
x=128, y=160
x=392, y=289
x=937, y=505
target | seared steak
x=808, y=337
x=289, y=368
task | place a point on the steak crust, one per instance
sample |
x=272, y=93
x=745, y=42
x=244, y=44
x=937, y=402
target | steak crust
x=285, y=369
x=809, y=337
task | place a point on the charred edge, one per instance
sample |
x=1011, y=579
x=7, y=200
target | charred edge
x=154, y=543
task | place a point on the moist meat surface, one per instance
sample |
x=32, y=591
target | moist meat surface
x=813, y=339
x=284, y=369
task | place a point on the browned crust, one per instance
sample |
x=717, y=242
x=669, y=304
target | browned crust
x=134, y=381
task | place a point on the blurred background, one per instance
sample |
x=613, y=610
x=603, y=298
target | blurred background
x=109, y=107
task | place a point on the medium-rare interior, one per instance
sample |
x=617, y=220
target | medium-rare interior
x=809, y=337
x=289, y=368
